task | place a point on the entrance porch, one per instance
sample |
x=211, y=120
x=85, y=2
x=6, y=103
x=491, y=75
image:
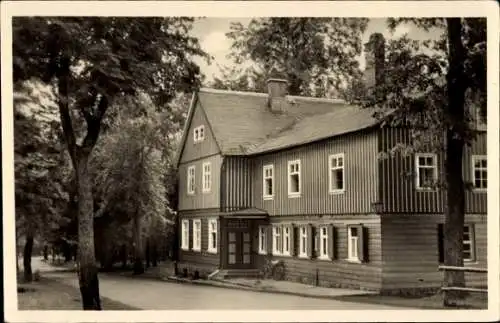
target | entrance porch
x=238, y=236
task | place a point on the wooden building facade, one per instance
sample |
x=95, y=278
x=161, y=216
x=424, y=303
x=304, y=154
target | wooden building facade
x=315, y=195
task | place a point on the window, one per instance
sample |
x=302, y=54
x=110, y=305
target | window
x=469, y=244
x=323, y=243
x=282, y=240
x=426, y=166
x=277, y=240
x=353, y=243
x=262, y=240
x=190, y=180
x=286, y=240
x=294, y=178
x=303, y=252
x=197, y=235
x=185, y=235
x=212, y=236
x=469, y=248
x=479, y=173
x=336, y=174
x=268, y=176
x=207, y=177
x=199, y=134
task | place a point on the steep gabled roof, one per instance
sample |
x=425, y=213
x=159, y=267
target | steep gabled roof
x=341, y=120
x=243, y=124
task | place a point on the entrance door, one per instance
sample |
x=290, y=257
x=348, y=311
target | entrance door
x=239, y=249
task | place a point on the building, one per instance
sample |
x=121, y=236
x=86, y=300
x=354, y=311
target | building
x=267, y=176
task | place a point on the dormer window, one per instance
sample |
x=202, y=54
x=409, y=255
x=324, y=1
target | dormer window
x=199, y=134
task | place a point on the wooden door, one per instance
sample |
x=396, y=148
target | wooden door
x=239, y=246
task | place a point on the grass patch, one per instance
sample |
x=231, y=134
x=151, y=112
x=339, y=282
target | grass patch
x=48, y=294
x=472, y=301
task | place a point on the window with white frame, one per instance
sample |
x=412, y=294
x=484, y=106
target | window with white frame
x=468, y=243
x=190, y=179
x=427, y=172
x=185, y=235
x=207, y=177
x=199, y=133
x=323, y=242
x=277, y=240
x=262, y=240
x=197, y=235
x=303, y=252
x=286, y=240
x=294, y=178
x=212, y=235
x=479, y=172
x=336, y=173
x=352, y=243
x=268, y=181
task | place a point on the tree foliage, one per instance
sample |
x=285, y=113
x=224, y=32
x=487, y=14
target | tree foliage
x=314, y=54
x=131, y=164
x=437, y=88
x=40, y=194
x=91, y=63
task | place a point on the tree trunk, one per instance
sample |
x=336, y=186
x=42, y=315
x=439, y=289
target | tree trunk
x=28, y=251
x=148, y=254
x=87, y=269
x=455, y=195
x=138, y=249
x=124, y=256
x=46, y=252
x=67, y=252
x=154, y=254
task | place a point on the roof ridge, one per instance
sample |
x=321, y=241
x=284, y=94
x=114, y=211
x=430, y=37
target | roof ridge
x=218, y=91
x=314, y=99
x=263, y=94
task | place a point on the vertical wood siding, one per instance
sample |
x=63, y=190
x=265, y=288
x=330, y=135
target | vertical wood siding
x=410, y=250
x=195, y=260
x=397, y=178
x=200, y=200
x=337, y=272
x=360, y=159
x=236, y=183
x=475, y=202
x=207, y=147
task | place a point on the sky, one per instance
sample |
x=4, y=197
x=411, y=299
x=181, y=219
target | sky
x=211, y=32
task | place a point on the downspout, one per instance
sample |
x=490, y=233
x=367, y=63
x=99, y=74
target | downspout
x=222, y=205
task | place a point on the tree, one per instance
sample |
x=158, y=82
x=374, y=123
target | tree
x=39, y=192
x=138, y=143
x=434, y=87
x=90, y=63
x=315, y=55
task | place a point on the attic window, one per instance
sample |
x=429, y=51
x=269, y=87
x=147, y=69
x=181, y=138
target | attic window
x=199, y=134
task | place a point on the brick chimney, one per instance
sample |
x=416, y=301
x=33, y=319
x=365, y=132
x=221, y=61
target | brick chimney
x=277, y=89
x=375, y=59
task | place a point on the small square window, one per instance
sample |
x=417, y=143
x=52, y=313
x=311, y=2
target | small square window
x=199, y=134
